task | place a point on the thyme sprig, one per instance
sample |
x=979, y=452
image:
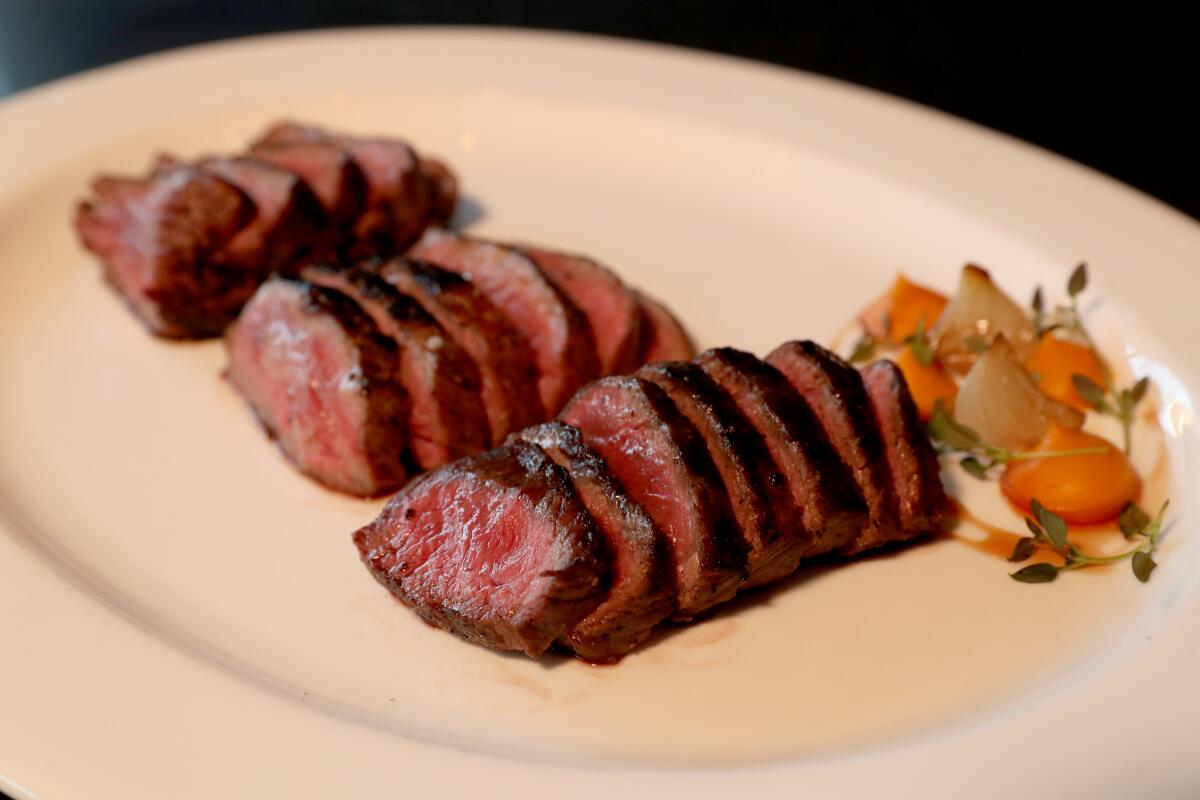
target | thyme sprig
x=1064, y=317
x=864, y=349
x=919, y=343
x=978, y=456
x=1049, y=531
x=1121, y=405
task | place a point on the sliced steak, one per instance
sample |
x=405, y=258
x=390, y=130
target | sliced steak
x=661, y=460
x=155, y=239
x=446, y=415
x=557, y=331
x=916, y=473
x=666, y=339
x=507, y=374
x=334, y=177
x=288, y=221
x=822, y=491
x=322, y=381
x=835, y=392
x=758, y=494
x=444, y=190
x=495, y=548
x=642, y=591
x=613, y=311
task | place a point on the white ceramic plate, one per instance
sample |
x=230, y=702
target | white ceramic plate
x=184, y=616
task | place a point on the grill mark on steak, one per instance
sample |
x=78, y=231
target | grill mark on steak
x=835, y=392
x=758, y=494
x=155, y=239
x=446, y=414
x=288, y=221
x=322, y=381
x=556, y=331
x=661, y=460
x=495, y=548
x=642, y=589
x=507, y=374
x=665, y=339
x=912, y=461
x=613, y=312
x=822, y=490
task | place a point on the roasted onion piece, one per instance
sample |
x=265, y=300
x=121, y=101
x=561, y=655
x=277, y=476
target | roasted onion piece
x=980, y=311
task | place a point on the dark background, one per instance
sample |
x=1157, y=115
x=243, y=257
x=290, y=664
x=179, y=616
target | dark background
x=1116, y=90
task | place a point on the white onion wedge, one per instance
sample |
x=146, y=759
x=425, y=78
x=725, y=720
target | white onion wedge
x=1001, y=402
x=981, y=309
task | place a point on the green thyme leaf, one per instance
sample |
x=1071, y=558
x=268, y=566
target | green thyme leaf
x=1052, y=524
x=1078, y=280
x=1036, y=303
x=1139, y=389
x=944, y=428
x=1133, y=521
x=1091, y=392
x=1035, y=529
x=919, y=342
x=973, y=466
x=864, y=349
x=1024, y=549
x=1143, y=565
x=1036, y=573
x=975, y=343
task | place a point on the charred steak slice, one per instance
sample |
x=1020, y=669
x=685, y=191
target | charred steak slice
x=823, y=493
x=612, y=310
x=835, y=392
x=444, y=188
x=334, y=177
x=660, y=459
x=758, y=494
x=288, y=222
x=642, y=590
x=666, y=339
x=446, y=415
x=322, y=380
x=495, y=548
x=156, y=238
x=916, y=474
x=557, y=331
x=507, y=374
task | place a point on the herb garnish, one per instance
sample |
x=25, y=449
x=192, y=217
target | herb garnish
x=979, y=456
x=919, y=342
x=1062, y=317
x=864, y=349
x=1050, y=531
x=1123, y=403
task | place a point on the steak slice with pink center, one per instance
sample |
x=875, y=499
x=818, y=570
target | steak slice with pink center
x=665, y=339
x=322, y=381
x=663, y=464
x=912, y=461
x=446, y=415
x=334, y=177
x=613, y=312
x=495, y=548
x=156, y=238
x=761, y=502
x=507, y=374
x=642, y=590
x=557, y=332
x=821, y=489
x=835, y=392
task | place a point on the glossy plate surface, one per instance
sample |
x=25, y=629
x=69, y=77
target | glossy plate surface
x=182, y=615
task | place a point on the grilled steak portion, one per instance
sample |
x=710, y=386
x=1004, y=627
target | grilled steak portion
x=156, y=240
x=829, y=505
x=446, y=415
x=288, y=221
x=912, y=461
x=334, y=177
x=507, y=374
x=642, y=589
x=661, y=460
x=496, y=548
x=613, y=312
x=758, y=494
x=666, y=339
x=556, y=331
x=835, y=392
x=322, y=380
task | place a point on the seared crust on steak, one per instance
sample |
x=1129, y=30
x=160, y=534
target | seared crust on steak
x=666, y=339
